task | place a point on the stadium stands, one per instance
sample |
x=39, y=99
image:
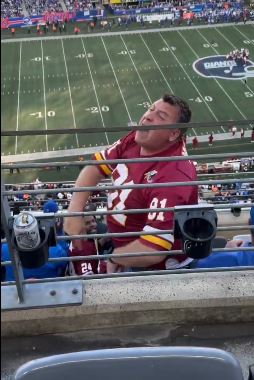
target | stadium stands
x=208, y=12
x=78, y=5
x=11, y=8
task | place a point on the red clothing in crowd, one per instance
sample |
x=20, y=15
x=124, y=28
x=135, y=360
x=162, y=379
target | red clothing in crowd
x=84, y=267
x=194, y=142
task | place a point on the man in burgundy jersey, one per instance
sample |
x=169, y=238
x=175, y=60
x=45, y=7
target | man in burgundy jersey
x=144, y=144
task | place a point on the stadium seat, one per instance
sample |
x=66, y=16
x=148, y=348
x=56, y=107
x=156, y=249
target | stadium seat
x=142, y=363
x=251, y=372
x=219, y=242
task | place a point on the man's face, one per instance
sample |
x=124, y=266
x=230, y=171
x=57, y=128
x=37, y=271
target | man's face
x=159, y=113
x=90, y=224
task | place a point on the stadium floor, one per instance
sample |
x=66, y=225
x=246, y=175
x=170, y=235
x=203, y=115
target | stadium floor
x=18, y=351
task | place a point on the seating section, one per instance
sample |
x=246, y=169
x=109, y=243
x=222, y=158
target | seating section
x=78, y=5
x=245, y=238
x=11, y=8
x=162, y=363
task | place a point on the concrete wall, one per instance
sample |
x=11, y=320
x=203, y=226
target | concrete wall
x=176, y=299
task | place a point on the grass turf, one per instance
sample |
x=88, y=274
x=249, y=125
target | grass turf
x=108, y=81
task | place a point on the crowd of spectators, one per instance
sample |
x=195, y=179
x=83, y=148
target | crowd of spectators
x=32, y=7
x=11, y=8
x=212, y=11
x=14, y=8
x=219, y=193
x=35, y=202
x=227, y=193
x=220, y=15
x=78, y=5
x=38, y=7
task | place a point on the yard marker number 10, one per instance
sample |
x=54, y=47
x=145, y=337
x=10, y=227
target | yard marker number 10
x=38, y=115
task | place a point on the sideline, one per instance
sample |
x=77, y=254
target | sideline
x=105, y=34
x=83, y=151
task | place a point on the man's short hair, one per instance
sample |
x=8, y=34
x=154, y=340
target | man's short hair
x=185, y=112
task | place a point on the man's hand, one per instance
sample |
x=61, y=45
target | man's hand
x=140, y=261
x=234, y=244
x=113, y=268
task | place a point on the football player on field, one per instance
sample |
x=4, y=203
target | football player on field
x=140, y=144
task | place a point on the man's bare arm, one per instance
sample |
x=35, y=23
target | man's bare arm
x=89, y=176
x=140, y=261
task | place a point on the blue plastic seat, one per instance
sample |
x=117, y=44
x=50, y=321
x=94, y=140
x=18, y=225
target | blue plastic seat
x=149, y=363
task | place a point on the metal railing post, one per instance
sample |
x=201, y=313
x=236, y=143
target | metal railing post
x=16, y=264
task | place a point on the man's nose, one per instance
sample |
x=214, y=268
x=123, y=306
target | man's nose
x=149, y=116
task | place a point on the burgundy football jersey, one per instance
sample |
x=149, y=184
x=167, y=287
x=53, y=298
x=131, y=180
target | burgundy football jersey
x=159, y=197
x=84, y=267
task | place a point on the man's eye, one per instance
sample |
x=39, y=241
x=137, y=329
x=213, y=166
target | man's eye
x=162, y=116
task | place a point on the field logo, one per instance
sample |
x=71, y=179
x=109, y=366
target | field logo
x=217, y=66
x=27, y=21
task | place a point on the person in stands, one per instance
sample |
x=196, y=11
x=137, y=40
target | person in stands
x=87, y=247
x=234, y=258
x=210, y=139
x=195, y=142
x=168, y=142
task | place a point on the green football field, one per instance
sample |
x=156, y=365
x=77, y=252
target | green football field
x=110, y=80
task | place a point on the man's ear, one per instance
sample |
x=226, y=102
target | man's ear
x=174, y=134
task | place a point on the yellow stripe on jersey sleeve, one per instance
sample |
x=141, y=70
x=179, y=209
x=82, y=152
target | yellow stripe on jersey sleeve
x=158, y=241
x=105, y=168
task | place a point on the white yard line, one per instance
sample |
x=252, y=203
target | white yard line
x=148, y=96
x=225, y=92
x=165, y=79
x=112, y=67
x=97, y=99
x=225, y=38
x=72, y=109
x=44, y=95
x=244, y=35
x=193, y=84
x=17, y=126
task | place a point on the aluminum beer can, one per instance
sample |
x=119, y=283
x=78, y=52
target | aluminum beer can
x=26, y=231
